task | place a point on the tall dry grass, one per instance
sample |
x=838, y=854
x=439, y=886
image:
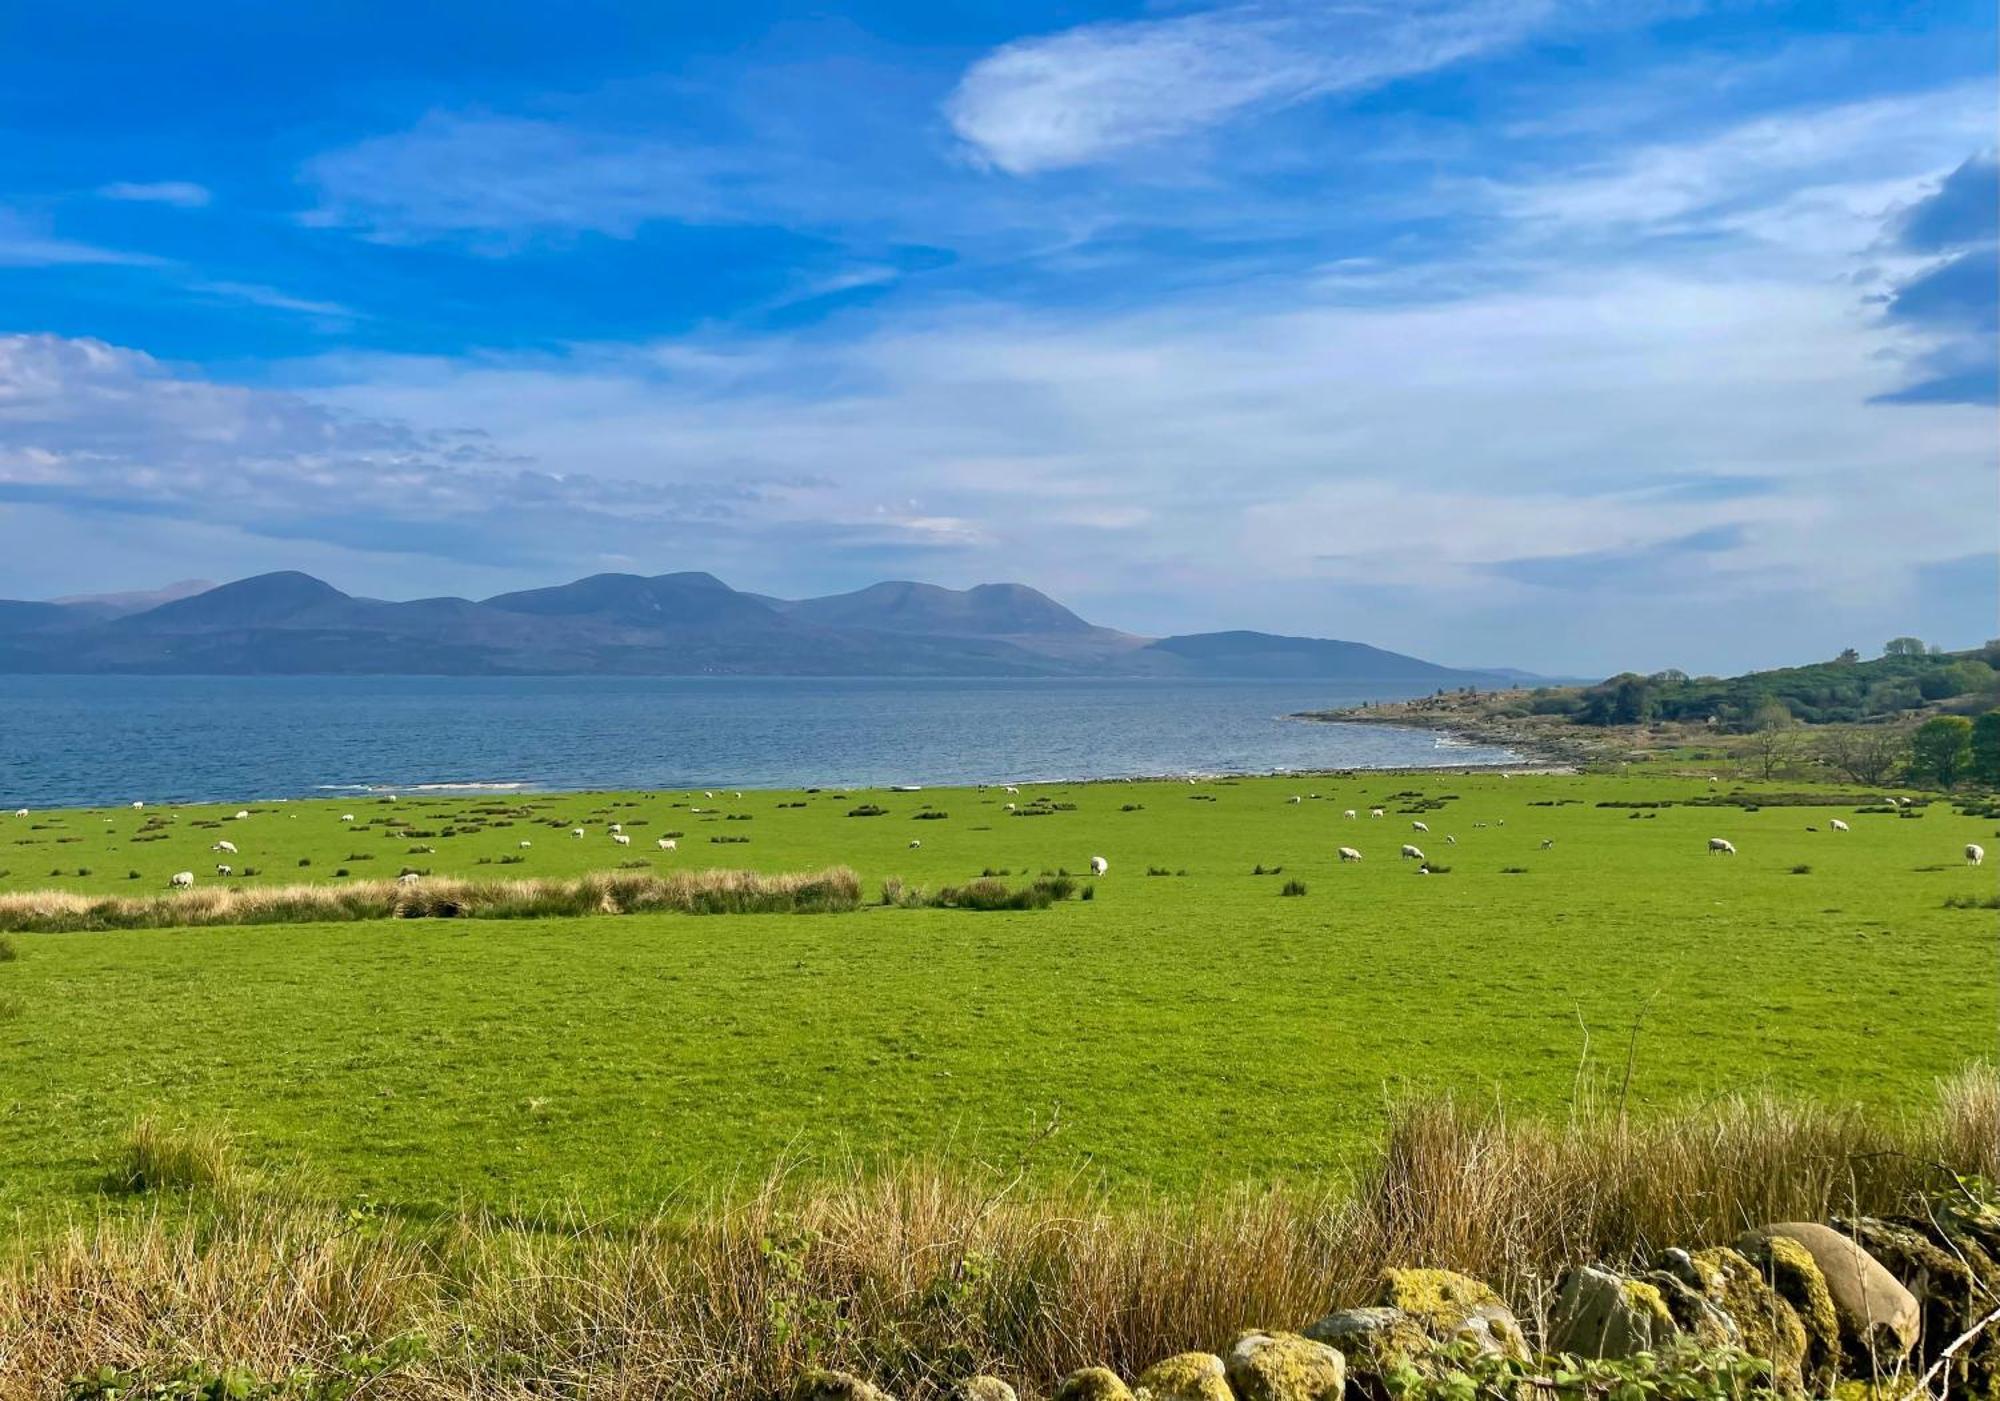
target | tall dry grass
x=923, y=1276
x=600, y=893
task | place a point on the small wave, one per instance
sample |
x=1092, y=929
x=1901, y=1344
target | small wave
x=476, y=786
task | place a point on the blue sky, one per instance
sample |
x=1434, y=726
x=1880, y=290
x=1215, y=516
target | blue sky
x=1566, y=334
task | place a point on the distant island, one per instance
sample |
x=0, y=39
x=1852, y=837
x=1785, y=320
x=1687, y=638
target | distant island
x=683, y=624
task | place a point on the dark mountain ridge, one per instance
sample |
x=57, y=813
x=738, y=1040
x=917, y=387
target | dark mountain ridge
x=680, y=624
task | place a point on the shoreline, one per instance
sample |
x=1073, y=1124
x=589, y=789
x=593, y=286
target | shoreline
x=1541, y=751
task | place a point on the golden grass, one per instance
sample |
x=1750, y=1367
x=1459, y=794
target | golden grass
x=920, y=1277
x=604, y=892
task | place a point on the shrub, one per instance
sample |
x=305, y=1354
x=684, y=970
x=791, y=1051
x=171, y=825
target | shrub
x=1801, y=869
x=8, y=953
x=305, y=861
x=157, y=1159
x=867, y=810
x=1294, y=887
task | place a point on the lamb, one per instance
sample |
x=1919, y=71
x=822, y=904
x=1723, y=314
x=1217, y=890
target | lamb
x=1098, y=865
x=1717, y=846
x=229, y=847
x=1348, y=853
x=1975, y=854
x=1410, y=853
x=621, y=839
x=1375, y=812
x=667, y=844
x=1350, y=814
x=1420, y=827
x=222, y=870
x=181, y=880
x=1838, y=825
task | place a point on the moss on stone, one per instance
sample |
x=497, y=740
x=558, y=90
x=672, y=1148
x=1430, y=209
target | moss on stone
x=983, y=1388
x=1092, y=1384
x=1186, y=1376
x=1789, y=1268
x=1372, y=1340
x=1769, y=1326
x=1285, y=1367
x=1645, y=1298
x=1452, y=1307
x=824, y=1385
x=1694, y=1314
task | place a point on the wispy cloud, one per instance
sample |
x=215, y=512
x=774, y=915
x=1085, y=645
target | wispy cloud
x=184, y=194
x=26, y=243
x=257, y=294
x=1952, y=301
x=1093, y=92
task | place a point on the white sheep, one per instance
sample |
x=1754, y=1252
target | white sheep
x=525, y=845
x=1718, y=846
x=1410, y=853
x=242, y=815
x=409, y=878
x=1350, y=814
x=223, y=870
x=1838, y=825
x=1450, y=840
x=1420, y=827
x=617, y=826
x=20, y=812
x=140, y=803
x=1098, y=865
x=1548, y=842
x=1975, y=854
x=347, y=817
x=621, y=839
x=1009, y=806
x=181, y=880
x=1375, y=812
x=707, y=794
x=915, y=842
x=576, y=831
x=229, y=847
x=1010, y=788
x=667, y=844
x=1348, y=853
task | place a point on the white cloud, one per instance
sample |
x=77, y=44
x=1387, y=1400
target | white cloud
x=184, y=194
x=1092, y=92
x=27, y=243
x=257, y=294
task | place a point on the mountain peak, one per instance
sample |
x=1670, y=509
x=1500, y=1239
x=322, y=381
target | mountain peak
x=902, y=605
x=260, y=599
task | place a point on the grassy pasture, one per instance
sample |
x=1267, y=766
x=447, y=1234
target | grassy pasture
x=1195, y=1028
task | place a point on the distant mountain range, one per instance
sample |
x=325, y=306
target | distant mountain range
x=668, y=625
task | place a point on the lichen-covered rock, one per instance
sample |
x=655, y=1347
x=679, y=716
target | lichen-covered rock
x=1879, y=1318
x=1092, y=1384
x=1372, y=1339
x=1768, y=1326
x=1694, y=1313
x=1452, y=1307
x=983, y=1388
x=1284, y=1367
x=1186, y=1376
x=826, y=1385
x=1960, y=1234
x=1791, y=1269
x=1600, y=1313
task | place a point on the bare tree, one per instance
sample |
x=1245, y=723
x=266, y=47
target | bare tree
x=1868, y=754
x=1772, y=738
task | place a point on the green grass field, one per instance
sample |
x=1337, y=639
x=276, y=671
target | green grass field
x=1195, y=1028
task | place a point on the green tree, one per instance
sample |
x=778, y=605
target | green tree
x=1904, y=647
x=1848, y=657
x=1986, y=748
x=1941, y=750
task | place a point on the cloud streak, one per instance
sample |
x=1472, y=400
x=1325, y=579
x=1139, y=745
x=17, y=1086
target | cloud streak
x=1095, y=92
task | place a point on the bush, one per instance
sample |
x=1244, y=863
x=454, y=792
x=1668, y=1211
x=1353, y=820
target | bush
x=867, y=810
x=8, y=953
x=1294, y=887
x=159, y=1159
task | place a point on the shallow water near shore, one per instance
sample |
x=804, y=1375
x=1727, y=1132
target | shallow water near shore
x=110, y=739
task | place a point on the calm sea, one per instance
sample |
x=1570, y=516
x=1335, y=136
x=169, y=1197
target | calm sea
x=98, y=739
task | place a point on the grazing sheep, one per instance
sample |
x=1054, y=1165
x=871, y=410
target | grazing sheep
x=707, y=794
x=409, y=878
x=141, y=803
x=1975, y=854
x=1348, y=853
x=1450, y=840
x=576, y=831
x=1010, y=788
x=1837, y=825
x=1008, y=806
x=1717, y=846
x=1098, y=865
x=1293, y=799
x=525, y=845
x=242, y=815
x=1375, y=812
x=617, y=826
x=1410, y=853
x=20, y=812
x=181, y=880
x=229, y=847
x=621, y=839
x=667, y=844
x=1548, y=842
x=1713, y=779
x=347, y=817
x=222, y=870
x=915, y=842
x=1420, y=827
x=1350, y=814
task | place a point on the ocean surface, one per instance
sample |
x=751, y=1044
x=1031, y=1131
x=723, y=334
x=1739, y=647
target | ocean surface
x=113, y=739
